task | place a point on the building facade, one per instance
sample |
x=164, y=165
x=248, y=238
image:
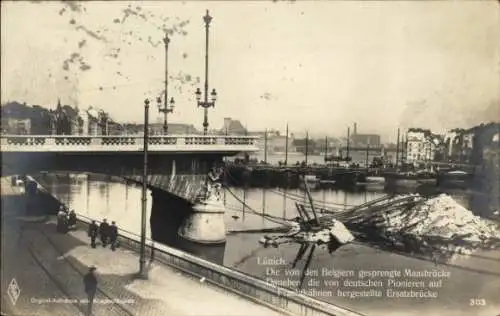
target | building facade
x=459, y=144
x=420, y=145
x=278, y=144
x=90, y=119
x=173, y=129
x=233, y=127
x=303, y=145
x=95, y=122
x=364, y=140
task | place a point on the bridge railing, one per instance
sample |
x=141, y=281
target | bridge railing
x=126, y=140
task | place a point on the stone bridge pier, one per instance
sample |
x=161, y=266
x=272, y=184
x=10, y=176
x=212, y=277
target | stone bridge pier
x=185, y=206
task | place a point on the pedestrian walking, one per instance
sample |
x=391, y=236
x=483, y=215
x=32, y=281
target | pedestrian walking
x=113, y=235
x=93, y=231
x=104, y=232
x=90, y=282
x=72, y=219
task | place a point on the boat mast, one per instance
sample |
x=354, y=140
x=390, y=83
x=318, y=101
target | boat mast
x=397, y=151
x=286, y=145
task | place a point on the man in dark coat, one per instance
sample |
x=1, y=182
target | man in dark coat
x=93, y=231
x=72, y=219
x=90, y=282
x=104, y=231
x=113, y=235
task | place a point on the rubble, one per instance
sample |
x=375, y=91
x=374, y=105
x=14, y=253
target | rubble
x=335, y=232
x=437, y=225
x=437, y=228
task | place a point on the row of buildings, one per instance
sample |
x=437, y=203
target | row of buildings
x=277, y=143
x=21, y=119
x=457, y=145
x=416, y=145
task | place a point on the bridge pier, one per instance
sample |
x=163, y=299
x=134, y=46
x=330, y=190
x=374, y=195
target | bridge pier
x=206, y=223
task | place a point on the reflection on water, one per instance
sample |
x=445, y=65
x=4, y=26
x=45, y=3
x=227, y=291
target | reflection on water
x=94, y=197
x=114, y=199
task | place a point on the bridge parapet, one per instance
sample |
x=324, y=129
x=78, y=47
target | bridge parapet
x=174, y=143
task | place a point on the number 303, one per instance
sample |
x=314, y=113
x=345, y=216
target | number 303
x=477, y=302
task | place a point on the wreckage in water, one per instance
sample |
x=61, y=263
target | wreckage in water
x=304, y=229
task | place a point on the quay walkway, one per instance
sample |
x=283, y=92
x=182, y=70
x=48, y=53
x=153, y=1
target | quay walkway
x=48, y=268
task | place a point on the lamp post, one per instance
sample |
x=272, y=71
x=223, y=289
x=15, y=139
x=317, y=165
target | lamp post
x=205, y=104
x=166, y=108
x=142, y=259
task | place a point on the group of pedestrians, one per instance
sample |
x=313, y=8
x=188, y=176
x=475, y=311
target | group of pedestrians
x=107, y=233
x=65, y=220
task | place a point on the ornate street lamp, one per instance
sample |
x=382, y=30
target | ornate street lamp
x=166, y=108
x=205, y=104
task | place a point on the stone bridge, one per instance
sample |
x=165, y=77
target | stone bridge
x=176, y=164
x=178, y=168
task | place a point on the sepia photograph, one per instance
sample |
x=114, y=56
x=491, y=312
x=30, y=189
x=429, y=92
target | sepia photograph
x=244, y=158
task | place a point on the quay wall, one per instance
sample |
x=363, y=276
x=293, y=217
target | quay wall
x=247, y=286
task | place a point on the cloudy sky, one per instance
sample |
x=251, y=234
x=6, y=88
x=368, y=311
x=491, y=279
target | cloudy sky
x=318, y=65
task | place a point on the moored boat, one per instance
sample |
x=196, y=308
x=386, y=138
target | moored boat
x=454, y=179
x=410, y=178
x=326, y=184
x=375, y=179
x=312, y=181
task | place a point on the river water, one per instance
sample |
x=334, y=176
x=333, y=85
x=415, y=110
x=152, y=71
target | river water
x=101, y=197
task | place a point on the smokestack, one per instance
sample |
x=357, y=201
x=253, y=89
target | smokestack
x=355, y=130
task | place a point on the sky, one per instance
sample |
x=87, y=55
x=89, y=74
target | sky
x=319, y=66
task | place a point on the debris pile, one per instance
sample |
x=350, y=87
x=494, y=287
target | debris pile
x=335, y=232
x=438, y=226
